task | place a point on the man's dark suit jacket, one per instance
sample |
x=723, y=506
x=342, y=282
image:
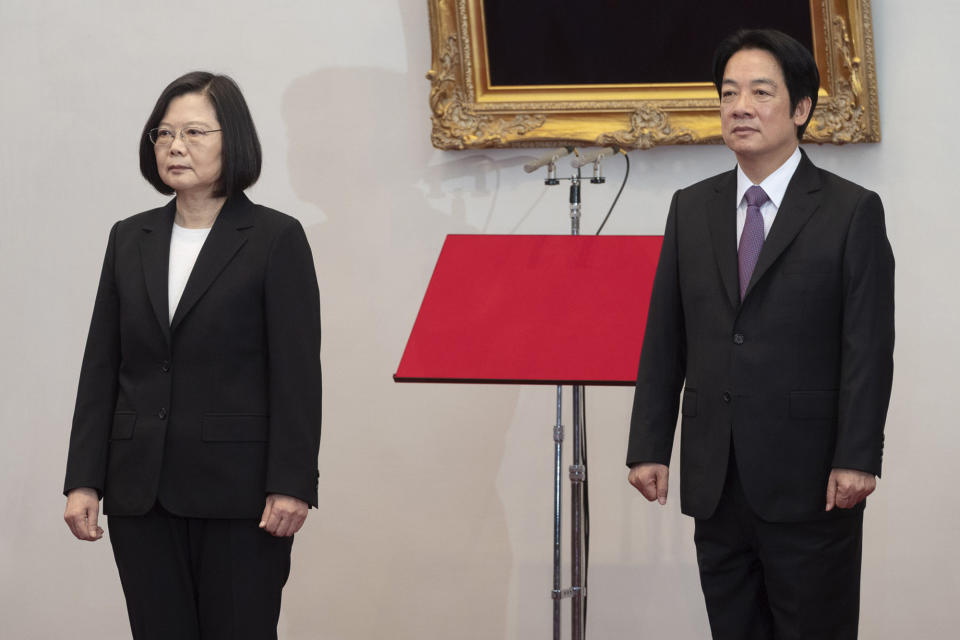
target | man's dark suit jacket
x=798, y=375
x=215, y=410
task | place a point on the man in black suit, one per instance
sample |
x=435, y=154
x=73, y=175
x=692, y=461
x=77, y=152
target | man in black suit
x=772, y=308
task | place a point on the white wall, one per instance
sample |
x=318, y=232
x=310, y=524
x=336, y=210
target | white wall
x=435, y=518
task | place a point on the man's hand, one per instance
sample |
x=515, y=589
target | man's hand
x=650, y=479
x=846, y=488
x=83, y=506
x=283, y=515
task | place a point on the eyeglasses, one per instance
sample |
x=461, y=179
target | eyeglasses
x=164, y=136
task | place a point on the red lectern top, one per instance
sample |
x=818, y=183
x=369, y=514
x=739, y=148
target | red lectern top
x=533, y=310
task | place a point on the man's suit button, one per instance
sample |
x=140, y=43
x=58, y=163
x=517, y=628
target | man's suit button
x=738, y=338
x=726, y=397
x=165, y=366
x=162, y=414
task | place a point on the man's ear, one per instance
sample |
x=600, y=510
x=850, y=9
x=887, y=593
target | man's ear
x=802, y=111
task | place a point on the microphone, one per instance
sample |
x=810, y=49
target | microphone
x=549, y=158
x=592, y=157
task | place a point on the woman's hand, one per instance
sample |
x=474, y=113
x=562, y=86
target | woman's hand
x=83, y=506
x=283, y=515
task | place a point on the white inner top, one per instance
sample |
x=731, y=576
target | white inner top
x=185, y=245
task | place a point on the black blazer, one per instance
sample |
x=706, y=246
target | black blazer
x=213, y=411
x=798, y=375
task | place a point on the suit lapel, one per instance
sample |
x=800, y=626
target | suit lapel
x=155, y=256
x=801, y=199
x=722, y=219
x=225, y=239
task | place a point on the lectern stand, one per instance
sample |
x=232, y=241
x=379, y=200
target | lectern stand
x=554, y=310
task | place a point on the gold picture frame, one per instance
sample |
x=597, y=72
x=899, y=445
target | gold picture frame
x=469, y=113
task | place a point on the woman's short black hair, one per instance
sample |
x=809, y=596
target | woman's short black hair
x=241, y=154
x=796, y=62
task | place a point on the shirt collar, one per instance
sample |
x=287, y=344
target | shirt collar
x=775, y=185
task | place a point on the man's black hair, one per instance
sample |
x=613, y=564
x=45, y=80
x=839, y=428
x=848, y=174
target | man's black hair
x=796, y=62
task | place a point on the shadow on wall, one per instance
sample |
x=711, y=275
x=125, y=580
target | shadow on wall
x=411, y=537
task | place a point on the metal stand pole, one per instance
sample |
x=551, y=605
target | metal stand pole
x=577, y=469
x=575, y=204
x=557, y=491
x=577, y=475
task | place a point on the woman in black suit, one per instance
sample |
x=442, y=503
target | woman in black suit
x=198, y=409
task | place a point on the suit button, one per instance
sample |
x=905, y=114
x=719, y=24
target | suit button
x=162, y=414
x=738, y=338
x=726, y=397
x=165, y=366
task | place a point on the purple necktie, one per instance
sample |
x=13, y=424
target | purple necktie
x=751, y=240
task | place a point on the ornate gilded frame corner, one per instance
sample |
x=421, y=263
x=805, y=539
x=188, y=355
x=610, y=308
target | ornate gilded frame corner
x=469, y=113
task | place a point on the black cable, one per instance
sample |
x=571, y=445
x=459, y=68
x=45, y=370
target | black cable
x=622, y=185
